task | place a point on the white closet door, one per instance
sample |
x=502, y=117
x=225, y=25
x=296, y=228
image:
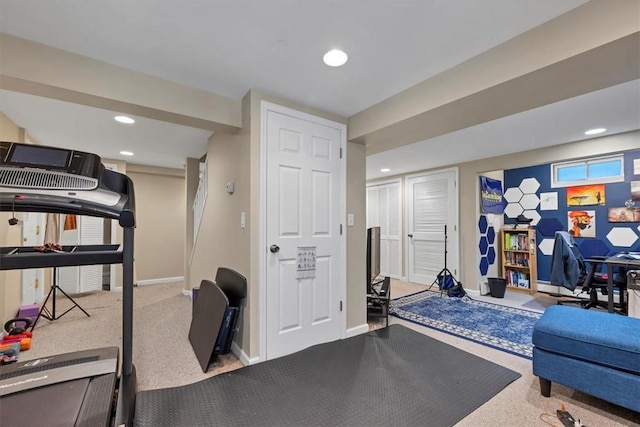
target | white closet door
x=87, y=277
x=91, y=233
x=432, y=203
x=384, y=211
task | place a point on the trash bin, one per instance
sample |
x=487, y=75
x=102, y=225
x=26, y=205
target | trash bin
x=497, y=286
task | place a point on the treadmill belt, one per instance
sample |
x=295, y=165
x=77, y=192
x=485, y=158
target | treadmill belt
x=56, y=405
x=84, y=402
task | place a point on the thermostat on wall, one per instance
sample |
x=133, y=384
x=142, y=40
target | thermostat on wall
x=230, y=187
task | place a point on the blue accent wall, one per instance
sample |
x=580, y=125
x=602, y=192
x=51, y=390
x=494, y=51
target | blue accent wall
x=549, y=221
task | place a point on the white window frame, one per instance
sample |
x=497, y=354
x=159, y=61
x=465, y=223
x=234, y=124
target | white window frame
x=586, y=162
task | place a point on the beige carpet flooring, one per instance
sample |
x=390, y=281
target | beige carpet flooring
x=164, y=358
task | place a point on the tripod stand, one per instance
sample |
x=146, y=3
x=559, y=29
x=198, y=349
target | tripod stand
x=51, y=314
x=445, y=275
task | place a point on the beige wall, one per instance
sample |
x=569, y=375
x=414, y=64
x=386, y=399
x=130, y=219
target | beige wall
x=160, y=222
x=10, y=281
x=191, y=182
x=221, y=242
x=356, y=236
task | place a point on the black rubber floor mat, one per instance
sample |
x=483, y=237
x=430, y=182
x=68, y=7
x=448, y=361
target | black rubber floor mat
x=394, y=376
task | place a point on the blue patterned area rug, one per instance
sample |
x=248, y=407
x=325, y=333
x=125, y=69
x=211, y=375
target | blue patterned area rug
x=504, y=328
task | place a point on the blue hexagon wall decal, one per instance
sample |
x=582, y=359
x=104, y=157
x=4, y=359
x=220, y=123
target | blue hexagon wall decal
x=491, y=255
x=548, y=226
x=484, y=266
x=483, y=245
x=491, y=235
x=482, y=224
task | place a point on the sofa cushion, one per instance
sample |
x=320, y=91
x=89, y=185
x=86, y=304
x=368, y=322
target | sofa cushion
x=604, y=338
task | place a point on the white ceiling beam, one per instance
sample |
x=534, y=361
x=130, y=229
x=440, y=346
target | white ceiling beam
x=37, y=69
x=591, y=47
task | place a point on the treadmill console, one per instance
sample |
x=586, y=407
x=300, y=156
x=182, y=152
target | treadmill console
x=34, y=158
x=39, y=178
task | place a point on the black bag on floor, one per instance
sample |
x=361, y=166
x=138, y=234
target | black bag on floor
x=452, y=287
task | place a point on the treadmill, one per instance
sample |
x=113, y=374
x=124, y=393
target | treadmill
x=84, y=388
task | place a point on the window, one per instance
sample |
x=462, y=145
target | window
x=596, y=170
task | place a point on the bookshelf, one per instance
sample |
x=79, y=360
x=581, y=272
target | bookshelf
x=519, y=260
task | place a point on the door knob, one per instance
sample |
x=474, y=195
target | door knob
x=274, y=248
x=410, y=235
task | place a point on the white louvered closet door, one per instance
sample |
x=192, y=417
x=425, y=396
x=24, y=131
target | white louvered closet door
x=431, y=204
x=87, y=277
x=384, y=210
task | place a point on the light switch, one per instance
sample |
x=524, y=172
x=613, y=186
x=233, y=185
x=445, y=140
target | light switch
x=243, y=217
x=230, y=187
x=350, y=220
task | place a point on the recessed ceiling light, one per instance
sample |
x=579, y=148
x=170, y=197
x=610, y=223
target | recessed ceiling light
x=335, y=58
x=385, y=170
x=126, y=153
x=124, y=119
x=595, y=131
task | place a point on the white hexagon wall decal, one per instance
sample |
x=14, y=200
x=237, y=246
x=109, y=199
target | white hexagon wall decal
x=622, y=236
x=512, y=194
x=529, y=185
x=529, y=201
x=534, y=215
x=513, y=210
x=546, y=246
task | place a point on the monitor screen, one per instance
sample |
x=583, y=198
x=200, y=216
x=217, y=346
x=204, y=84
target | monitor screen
x=33, y=155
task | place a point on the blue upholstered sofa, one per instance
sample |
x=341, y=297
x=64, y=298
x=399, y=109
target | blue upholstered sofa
x=595, y=352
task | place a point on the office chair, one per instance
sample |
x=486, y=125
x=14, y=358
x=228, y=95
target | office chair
x=569, y=270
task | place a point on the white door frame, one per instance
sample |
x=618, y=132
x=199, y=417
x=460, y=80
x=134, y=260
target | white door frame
x=266, y=106
x=455, y=213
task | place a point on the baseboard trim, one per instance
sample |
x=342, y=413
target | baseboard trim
x=358, y=330
x=242, y=356
x=160, y=281
x=187, y=293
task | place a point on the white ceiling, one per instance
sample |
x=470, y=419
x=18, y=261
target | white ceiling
x=229, y=47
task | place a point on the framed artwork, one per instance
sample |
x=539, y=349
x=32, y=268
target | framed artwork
x=581, y=223
x=549, y=201
x=586, y=195
x=635, y=191
x=623, y=214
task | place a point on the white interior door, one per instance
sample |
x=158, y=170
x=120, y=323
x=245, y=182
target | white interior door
x=432, y=204
x=303, y=214
x=384, y=207
x=32, y=278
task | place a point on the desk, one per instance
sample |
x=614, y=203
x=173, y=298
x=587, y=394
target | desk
x=613, y=261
